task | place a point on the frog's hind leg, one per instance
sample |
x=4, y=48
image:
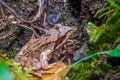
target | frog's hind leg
x=40, y=72
x=49, y=66
x=44, y=59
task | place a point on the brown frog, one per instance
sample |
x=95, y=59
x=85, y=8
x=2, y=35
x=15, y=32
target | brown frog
x=35, y=52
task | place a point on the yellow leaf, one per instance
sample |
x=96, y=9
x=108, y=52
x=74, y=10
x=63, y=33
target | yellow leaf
x=55, y=76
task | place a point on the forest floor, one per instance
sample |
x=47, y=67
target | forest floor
x=16, y=27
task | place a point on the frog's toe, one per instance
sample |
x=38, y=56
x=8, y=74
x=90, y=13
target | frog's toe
x=39, y=73
x=49, y=66
x=52, y=65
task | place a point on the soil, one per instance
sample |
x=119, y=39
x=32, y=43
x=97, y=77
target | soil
x=74, y=13
x=113, y=74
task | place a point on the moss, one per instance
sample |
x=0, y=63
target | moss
x=8, y=41
x=11, y=53
x=74, y=29
x=82, y=72
x=6, y=46
x=16, y=69
x=105, y=36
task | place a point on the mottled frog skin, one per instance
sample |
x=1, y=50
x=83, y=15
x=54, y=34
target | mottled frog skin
x=35, y=52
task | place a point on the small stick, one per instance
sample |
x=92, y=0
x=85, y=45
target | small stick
x=1, y=11
x=1, y=24
x=6, y=35
x=69, y=61
x=40, y=10
x=44, y=19
x=63, y=58
x=29, y=28
x=39, y=28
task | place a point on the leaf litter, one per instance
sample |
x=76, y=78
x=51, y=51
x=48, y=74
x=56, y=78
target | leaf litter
x=47, y=15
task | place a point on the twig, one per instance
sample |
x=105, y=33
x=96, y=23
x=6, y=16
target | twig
x=1, y=24
x=1, y=11
x=6, y=35
x=44, y=19
x=29, y=28
x=40, y=10
x=63, y=58
x=39, y=28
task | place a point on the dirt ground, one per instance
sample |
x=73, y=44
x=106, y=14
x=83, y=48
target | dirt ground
x=72, y=13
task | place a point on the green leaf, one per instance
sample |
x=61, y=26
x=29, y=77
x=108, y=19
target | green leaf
x=115, y=4
x=118, y=47
x=115, y=52
x=4, y=71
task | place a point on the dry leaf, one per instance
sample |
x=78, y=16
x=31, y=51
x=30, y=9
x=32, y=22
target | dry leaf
x=10, y=17
x=55, y=76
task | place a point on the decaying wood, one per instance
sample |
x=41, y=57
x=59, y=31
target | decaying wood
x=35, y=52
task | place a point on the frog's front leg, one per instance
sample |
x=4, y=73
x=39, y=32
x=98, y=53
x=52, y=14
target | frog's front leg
x=44, y=59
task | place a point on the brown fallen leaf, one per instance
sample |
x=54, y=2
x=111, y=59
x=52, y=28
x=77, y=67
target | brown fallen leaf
x=55, y=76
